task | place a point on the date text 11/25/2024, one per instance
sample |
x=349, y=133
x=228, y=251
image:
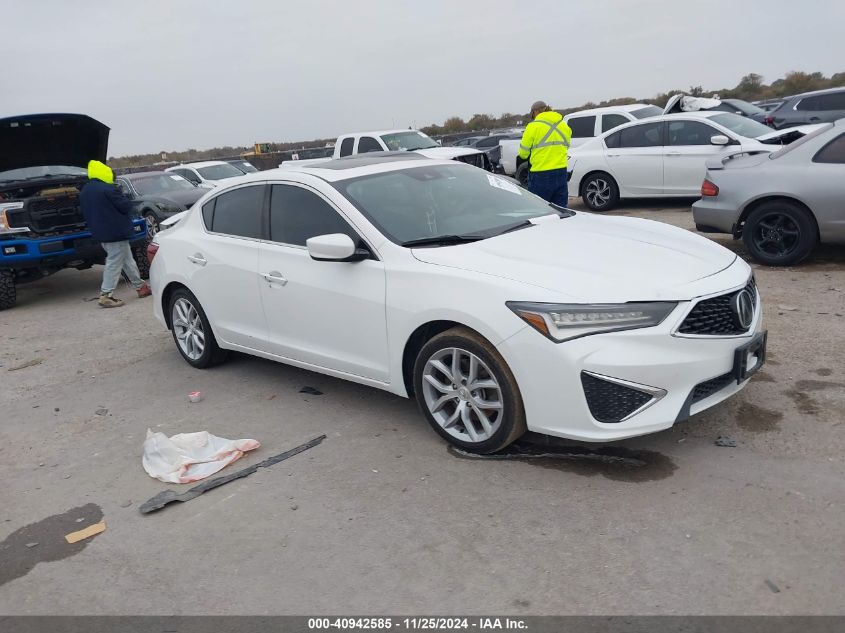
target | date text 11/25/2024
x=416, y=624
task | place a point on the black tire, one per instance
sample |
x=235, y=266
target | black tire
x=522, y=174
x=152, y=224
x=780, y=233
x=600, y=192
x=8, y=292
x=139, y=254
x=211, y=354
x=509, y=422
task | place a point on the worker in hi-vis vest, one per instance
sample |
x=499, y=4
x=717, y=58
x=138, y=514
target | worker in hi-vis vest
x=545, y=143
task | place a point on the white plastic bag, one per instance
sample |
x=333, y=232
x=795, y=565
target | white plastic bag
x=188, y=457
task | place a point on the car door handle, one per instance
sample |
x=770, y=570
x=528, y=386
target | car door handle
x=274, y=277
x=613, y=155
x=672, y=154
x=197, y=259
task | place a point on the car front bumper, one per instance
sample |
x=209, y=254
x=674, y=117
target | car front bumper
x=683, y=375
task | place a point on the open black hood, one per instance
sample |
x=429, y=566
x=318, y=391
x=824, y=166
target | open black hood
x=38, y=140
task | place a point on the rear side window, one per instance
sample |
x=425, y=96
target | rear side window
x=582, y=126
x=368, y=144
x=297, y=214
x=208, y=213
x=810, y=104
x=490, y=141
x=643, y=135
x=346, y=146
x=237, y=212
x=610, y=121
x=612, y=140
x=833, y=152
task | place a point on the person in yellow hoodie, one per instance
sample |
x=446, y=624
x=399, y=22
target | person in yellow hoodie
x=108, y=214
x=545, y=144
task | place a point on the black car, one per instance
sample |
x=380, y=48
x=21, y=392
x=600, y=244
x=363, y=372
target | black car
x=244, y=165
x=157, y=195
x=488, y=144
x=742, y=108
x=821, y=106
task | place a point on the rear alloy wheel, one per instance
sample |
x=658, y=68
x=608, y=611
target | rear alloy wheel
x=467, y=392
x=8, y=292
x=192, y=332
x=522, y=174
x=152, y=224
x=779, y=233
x=600, y=192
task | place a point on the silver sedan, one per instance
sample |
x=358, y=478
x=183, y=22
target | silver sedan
x=781, y=204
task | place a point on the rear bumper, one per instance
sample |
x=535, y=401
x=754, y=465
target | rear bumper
x=715, y=215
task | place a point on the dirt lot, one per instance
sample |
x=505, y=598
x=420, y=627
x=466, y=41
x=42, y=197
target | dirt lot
x=382, y=518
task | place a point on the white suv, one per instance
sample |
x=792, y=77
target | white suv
x=588, y=124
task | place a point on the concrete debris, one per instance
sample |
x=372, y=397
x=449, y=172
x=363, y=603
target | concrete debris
x=725, y=441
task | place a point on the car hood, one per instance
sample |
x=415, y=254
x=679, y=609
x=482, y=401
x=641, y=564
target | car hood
x=797, y=132
x=52, y=139
x=593, y=259
x=186, y=197
x=447, y=153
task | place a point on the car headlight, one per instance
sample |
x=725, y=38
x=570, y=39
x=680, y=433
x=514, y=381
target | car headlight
x=566, y=321
x=168, y=208
x=4, y=220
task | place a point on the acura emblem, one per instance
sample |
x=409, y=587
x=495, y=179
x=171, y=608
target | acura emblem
x=743, y=308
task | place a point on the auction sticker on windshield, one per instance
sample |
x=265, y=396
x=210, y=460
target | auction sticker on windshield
x=503, y=184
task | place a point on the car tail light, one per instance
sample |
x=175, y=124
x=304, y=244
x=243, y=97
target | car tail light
x=707, y=189
x=152, y=249
x=770, y=121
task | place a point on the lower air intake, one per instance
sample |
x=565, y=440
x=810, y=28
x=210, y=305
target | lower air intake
x=610, y=402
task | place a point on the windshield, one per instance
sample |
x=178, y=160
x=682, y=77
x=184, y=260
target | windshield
x=796, y=144
x=219, y=172
x=644, y=113
x=743, y=106
x=740, y=125
x=160, y=184
x=407, y=141
x=424, y=202
x=32, y=173
x=245, y=167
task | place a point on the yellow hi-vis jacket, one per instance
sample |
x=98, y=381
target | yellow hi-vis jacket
x=546, y=141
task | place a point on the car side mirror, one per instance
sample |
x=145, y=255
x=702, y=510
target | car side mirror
x=335, y=247
x=719, y=139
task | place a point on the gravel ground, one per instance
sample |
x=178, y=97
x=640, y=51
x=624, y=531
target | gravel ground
x=382, y=518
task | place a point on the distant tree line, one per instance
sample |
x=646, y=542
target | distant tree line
x=749, y=88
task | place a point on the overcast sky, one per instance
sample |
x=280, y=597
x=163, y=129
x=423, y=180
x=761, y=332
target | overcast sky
x=172, y=75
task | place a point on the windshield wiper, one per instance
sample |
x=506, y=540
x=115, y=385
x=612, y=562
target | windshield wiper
x=443, y=240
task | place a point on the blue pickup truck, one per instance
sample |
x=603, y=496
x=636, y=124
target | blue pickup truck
x=43, y=160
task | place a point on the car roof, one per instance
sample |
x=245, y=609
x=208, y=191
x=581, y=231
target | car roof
x=813, y=93
x=618, y=108
x=201, y=163
x=354, y=166
x=379, y=132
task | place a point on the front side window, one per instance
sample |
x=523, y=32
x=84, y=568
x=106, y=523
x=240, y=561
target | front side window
x=610, y=121
x=368, y=144
x=833, y=152
x=346, y=146
x=647, y=111
x=437, y=200
x=187, y=174
x=161, y=184
x=236, y=212
x=297, y=214
x=582, y=126
x=643, y=135
x=690, y=133
x=834, y=101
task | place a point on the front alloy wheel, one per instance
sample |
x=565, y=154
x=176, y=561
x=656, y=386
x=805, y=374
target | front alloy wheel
x=152, y=225
x=462, y=395
x=467, y=392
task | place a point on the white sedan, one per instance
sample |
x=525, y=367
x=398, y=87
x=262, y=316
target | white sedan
x=664, y=156
x=436, y=280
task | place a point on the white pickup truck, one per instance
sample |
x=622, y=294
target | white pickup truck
x=397, y=140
